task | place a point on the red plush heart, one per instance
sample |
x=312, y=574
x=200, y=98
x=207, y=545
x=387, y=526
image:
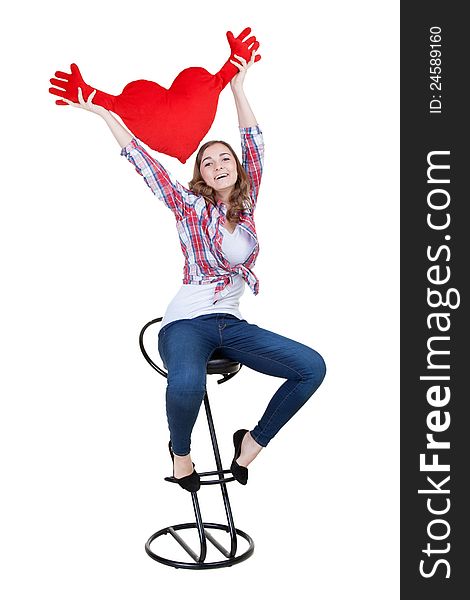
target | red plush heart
x=172, y=121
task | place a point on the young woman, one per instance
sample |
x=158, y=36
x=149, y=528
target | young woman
x=219, y=242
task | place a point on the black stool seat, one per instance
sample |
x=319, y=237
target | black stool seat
x=218, y=364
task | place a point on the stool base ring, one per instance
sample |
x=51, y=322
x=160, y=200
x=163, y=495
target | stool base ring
x=227, y=562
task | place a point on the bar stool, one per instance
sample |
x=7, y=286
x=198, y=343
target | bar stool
x=217, y=365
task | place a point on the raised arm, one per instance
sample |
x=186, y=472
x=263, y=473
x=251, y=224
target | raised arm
x=251, y=136
x=246, y=118
x=123, y=137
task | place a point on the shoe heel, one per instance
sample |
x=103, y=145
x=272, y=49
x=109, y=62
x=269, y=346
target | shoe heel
x=238, y=471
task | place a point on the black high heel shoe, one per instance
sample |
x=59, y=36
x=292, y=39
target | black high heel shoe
x=191, y=482
x=240, y=473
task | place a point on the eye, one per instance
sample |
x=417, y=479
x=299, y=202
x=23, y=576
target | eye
x=207, y=164
x=226, y=158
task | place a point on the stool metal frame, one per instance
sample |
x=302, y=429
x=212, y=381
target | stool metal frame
x=217, y=365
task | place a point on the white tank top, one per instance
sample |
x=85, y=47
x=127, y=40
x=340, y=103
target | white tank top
x=193, y=300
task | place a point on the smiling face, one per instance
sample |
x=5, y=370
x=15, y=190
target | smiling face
x=219, y=169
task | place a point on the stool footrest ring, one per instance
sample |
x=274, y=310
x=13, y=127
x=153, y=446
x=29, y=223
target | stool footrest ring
x=221, y=479
x=198, y=564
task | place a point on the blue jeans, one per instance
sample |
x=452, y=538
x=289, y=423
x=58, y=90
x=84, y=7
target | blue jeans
x=185, y=347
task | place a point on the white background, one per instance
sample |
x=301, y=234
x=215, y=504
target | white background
x=89, y=256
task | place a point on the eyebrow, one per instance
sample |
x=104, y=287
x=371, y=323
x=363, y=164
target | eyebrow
x=221, y=154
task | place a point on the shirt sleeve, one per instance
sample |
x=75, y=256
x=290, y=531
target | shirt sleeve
x=252, y=157
x=170, y=191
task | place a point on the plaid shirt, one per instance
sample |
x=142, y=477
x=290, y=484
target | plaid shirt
x=198, y=222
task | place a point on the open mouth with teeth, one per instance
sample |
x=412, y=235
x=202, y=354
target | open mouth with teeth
x=222, y=176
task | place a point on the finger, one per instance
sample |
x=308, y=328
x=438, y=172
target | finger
x=250, y=41
x=69, y=102
x=241, y=59
x=254, y=46
x=245, y=33
x=257, y=58
x=230, y=37
x=56, y=91
x=62, y=75
x=75, y=70
x=90, y=98
x=58, y=83
x=238, y=65
x=61, y=103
